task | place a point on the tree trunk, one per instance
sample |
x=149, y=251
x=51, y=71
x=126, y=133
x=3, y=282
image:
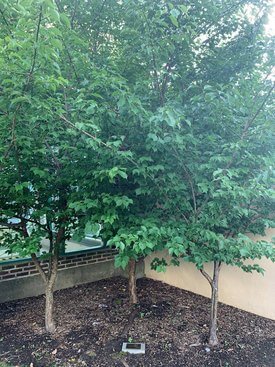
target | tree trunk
x=49, y=319
x=132, y=282
x=213, y=339
x=49, y=315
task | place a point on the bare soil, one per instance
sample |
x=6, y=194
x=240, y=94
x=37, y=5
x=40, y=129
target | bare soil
x=93, y=321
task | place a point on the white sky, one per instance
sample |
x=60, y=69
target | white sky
x=270, y=28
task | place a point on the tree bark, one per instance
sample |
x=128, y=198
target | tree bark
x=49, y=319
x=132, y=282
x=213, y=339
x=49, y=289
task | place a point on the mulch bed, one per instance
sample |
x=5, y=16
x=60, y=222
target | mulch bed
x=172, y=322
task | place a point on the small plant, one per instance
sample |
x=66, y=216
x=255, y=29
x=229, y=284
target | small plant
x=118, y=302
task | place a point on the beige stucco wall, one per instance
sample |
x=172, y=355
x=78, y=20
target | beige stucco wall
x=251, y=292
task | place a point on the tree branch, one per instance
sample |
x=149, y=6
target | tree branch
x=55, y=159
x=35, y=49
x=50, y=232
x=14, y=227
x=5, y=21
x=207, y=276
x=155, y=73
x=84, y=132
x=30, y=220
x=165, y=80
x=65, y=45
x=250, y=122
x=74, y=13
x=192, y=188
x=13, y=136
x=100, y=142
x=39, y=267
x=246, y=127
x=33, y=255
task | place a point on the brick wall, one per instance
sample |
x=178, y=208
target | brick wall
x=25, y=268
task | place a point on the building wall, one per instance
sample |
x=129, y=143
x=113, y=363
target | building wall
x=248, y=291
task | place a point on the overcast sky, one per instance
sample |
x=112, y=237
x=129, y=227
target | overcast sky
x=270, y=28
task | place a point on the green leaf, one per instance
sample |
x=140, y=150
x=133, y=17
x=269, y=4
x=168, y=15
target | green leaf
x=183, y=8
x=122, y=174
x=121, y=261
x=53, y=14
x=174, y=20
x=91, y=108
x=57, y=43
x=65, y=20
x=39, y=172
x=244, y=252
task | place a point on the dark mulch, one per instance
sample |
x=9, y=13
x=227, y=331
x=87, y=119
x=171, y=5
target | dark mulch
x=172, y=322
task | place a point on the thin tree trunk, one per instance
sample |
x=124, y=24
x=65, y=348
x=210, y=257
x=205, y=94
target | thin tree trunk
x=49, y=314
x=49, y=319
x=132, y=282
x=49, y=278
x=213, y=339
x=49, y=281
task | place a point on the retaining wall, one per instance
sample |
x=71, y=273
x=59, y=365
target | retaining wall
x=20, y=278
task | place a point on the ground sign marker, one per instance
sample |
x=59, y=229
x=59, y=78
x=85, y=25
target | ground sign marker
x=133, y=348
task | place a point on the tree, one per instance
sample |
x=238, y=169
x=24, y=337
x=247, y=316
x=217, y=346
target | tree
x=127, y=204
x=229, y=182
x=103, y=122
x=210, y=121
x=185, y=54
x=47, y=97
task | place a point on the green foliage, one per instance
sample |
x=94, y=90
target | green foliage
x=229, y=176
x=51, y=90
x=148, y=117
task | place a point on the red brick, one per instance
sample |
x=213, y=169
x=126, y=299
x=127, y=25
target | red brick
x=16, y=270
x=82, y=262
x=9, y=276
x=7, y=267
x=30, y=267
x=91, y=261
x=23, y=274
x=3, y=273
x=22, y=265
x=35, y=271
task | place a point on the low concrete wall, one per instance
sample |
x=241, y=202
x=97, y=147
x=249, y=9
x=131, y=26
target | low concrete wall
x=20, y=279
x=33, y=285
x=248, y=291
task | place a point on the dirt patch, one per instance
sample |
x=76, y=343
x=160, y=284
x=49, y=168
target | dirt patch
x=172, y=322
